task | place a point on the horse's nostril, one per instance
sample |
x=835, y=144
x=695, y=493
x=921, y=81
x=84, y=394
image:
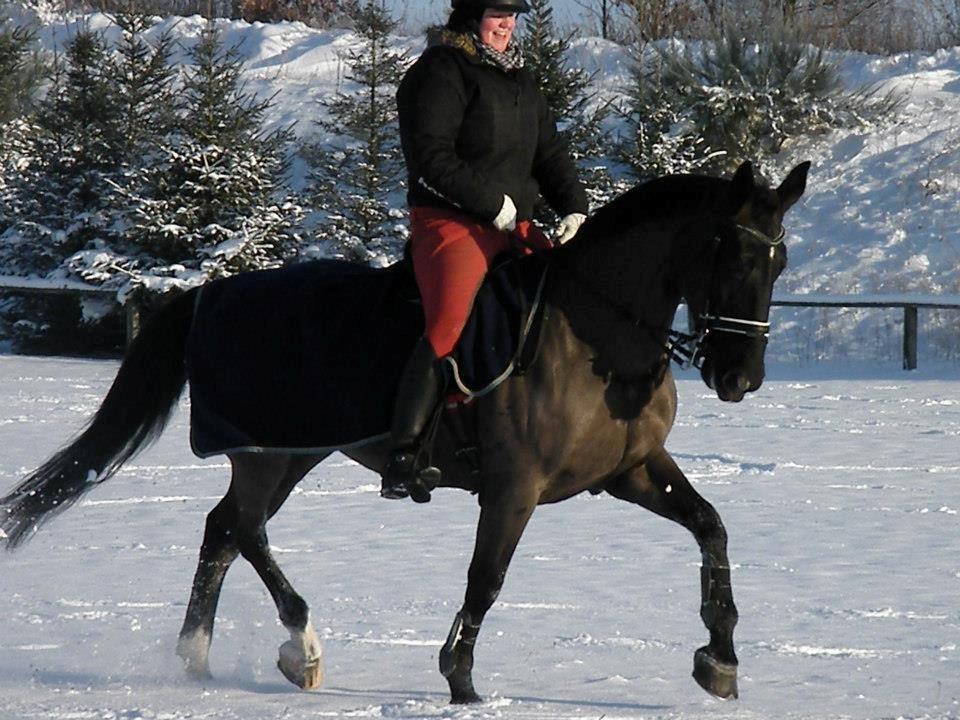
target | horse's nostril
x=736, y=383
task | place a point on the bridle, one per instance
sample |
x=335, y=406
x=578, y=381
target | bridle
x=686, y=349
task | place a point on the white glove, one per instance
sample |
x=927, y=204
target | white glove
x=568, y=227
x=506, y=219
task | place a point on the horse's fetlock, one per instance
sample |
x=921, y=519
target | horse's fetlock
x=709, y=613
x=294, y=613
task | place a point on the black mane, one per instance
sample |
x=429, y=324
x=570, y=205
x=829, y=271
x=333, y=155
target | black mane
x=668, y=196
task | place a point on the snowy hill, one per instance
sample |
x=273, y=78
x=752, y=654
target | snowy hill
x=880, y=215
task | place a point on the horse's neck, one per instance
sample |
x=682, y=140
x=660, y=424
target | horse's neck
x=618, y=298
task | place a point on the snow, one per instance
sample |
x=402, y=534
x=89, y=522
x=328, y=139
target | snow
x=836, y=484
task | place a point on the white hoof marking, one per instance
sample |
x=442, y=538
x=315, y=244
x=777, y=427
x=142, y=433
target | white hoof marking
x=195, y=651
x=301, y=658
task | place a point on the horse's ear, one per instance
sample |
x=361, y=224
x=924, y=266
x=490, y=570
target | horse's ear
x=791, y=189
x=741, y=186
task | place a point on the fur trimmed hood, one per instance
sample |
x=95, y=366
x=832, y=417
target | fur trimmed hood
x=462, y=41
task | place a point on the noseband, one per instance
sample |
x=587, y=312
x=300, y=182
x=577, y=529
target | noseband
x=686, y=349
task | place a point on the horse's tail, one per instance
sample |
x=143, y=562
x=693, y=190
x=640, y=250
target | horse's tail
x=133, y=414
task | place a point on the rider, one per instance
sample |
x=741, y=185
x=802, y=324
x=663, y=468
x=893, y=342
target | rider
x=480, y=145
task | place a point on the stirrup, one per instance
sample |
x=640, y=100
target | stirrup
x=401, y=478
x=423, y=482
x=393, y=483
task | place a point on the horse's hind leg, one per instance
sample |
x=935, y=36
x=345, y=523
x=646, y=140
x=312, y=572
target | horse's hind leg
x=503, y=518
x=217, y=552
x=259, y=486
x=660, y=486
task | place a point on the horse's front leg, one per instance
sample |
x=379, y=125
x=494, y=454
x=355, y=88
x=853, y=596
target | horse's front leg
x=503, y=517
x=660, y=486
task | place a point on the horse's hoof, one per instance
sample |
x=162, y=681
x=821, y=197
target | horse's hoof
x=464, y=697
x=716, y=677
x=461, y=686
x=192, y=649
x=305, y=673
x=200, y=674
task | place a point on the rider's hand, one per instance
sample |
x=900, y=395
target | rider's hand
x=507, y=217
x=568, y=227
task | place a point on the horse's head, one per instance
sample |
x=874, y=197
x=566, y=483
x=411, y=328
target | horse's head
x=730, y=309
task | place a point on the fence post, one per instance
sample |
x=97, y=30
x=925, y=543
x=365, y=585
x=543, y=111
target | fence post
x=909, y=337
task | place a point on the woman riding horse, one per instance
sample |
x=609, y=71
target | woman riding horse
x=480, y=145
x=592, y=412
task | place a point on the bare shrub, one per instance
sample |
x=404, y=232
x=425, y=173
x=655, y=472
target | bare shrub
x=316, y=13
x=942, y=18
x=874, y=26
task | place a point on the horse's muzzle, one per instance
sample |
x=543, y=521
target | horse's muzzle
x=731, y=386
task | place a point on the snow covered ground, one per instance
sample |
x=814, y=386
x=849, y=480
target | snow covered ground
x=840, y=497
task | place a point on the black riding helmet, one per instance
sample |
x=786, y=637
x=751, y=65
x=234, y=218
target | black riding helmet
x=467, y=13
x=517, y=6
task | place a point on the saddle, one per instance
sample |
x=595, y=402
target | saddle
x=307, y=358
x=502, y=334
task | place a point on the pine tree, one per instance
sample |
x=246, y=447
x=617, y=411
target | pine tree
x=145, y=102
x=567, y=89
x=67, y=150
x=96, y=124
x=145, y=84
x=211, y=204
x=655, y=139
x=21, y=69
x=711, y=105
x=21, y=72
x=358, y=178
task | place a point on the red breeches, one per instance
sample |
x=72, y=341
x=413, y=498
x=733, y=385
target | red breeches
x=451, y=255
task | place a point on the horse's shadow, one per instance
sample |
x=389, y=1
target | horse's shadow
x=442, y=699
x=392, y=697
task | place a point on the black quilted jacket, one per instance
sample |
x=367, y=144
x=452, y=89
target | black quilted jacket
x=472, y=133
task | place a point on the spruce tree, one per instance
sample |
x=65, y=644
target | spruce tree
x=145, y=102
x=145, y=85
x=21, y=72
x=358, y=177
x=709, y=106
x=67, y=150
x=653, y=139
x=21, y=69
x=212, y=203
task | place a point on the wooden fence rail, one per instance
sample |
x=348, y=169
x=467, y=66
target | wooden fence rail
x=14, y=285
x=910, y=304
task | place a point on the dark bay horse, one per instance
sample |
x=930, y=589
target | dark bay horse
x=592, y=412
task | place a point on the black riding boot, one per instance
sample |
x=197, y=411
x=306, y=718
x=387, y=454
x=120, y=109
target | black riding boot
x=406, y=472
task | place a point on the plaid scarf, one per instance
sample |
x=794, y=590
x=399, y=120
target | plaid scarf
x=508, y=60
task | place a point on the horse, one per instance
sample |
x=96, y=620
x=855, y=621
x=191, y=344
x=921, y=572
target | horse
x=591, y=413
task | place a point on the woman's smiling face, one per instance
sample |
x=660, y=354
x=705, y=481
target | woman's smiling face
x=496, y=28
